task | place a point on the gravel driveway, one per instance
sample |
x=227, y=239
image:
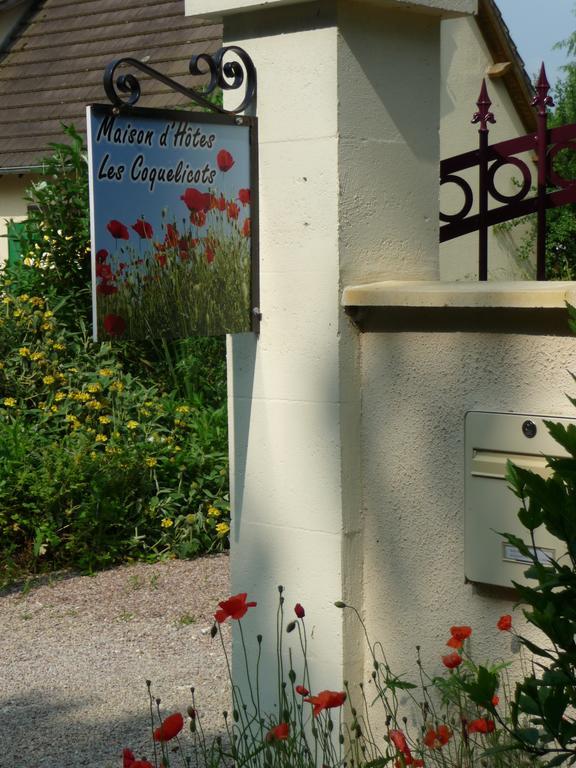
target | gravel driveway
x=75, y=653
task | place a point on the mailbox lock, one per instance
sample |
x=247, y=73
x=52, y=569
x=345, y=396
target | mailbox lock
x=529, y=429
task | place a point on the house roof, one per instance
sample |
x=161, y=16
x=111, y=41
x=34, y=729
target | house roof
x=54, y=63
x=503, y=50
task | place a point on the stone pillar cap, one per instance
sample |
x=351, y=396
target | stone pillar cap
x=220, y=8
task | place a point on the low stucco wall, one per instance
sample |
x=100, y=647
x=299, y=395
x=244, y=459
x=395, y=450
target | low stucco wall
x=421, y=372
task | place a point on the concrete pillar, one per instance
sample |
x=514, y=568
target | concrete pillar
x=348, y=107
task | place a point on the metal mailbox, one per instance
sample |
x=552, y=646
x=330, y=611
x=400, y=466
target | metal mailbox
x=491, y=439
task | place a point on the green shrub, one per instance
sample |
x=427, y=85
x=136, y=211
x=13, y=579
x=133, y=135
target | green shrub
x=107, y=452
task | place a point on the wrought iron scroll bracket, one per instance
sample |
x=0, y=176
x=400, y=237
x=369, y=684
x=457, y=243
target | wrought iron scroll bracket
x=124, y=89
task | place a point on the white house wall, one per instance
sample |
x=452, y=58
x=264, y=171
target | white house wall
x=465, y=59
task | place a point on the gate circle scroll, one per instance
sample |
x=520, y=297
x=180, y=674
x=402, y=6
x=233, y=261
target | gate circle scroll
x=526, y=176
x=468, y=198
x=555, y=178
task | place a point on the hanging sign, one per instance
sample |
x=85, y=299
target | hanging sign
x=173, y=214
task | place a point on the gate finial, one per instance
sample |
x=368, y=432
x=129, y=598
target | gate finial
x=483, y=115
x=542, y=100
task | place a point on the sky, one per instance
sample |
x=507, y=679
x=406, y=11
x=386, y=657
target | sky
x=535, y=26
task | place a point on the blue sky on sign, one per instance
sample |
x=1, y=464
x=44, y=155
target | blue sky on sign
x=535, y=26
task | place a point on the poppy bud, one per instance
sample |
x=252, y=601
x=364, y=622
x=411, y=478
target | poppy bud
x=299, y=611
x=214, y=630
x=280, y=588
x=192, y=726
x=259, y=639
x=291, y=627
x=340, y=604
x=191, y=713
x=235, y=715
x=292, y=676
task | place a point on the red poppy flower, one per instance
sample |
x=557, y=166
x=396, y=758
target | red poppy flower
x=170, y=727
x=437, y=739
x=118, y=230
x=209, y=253
x=233, y=608
x=114, y=325
x=221, y=203
x=461, y=633
x=143, y=228
x=482, y=725
x=300, y=689
x=101, y=256
x=128, y=758
x=161, y=258
x=198, y=218
x=225, y=160
x=299, y=611
x=246, y=228
x=106, y=289
x=505, y=623
x=326, y=700
x=244, y=196
x=104, y=271
x=399, y=740
x=171, y=237
x=280, y=732
x=452, y=660
x=495, y=700
x=196, y=200
x=232, y=210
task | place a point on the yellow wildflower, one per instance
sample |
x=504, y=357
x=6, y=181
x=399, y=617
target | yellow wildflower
x=101, y=438
x=132, y=424
x=95, y=405
x=72, y=370
x=117, y=386
x=104, y=419
x=17, y=313
x=179, y=423
x=1, y=365
x=54, y=408
x=36, y=356
x=94, y=387
x=48, y=380
x=59, y=396
x=59, y=347
x=213, y=512
x=44, y=326
x=148, y=403
x=151, y=461
x=7, y=300
x=145, y=412
x=24, y=352
x=106, y=372
x=37, y=301
x=176, y=448
x=167, y=523
x=9, y=402
x=183, y=409
x=83, y=397
x=28, y=262
x=191, y=519
x=48, y=314
x=93, y=455
x=222, y=529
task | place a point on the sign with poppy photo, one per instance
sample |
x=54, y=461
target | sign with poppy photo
x=172, y=206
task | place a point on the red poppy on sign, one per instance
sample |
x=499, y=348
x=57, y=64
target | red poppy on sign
x=118, y=230
x=196, y=200
x=114, y=325
x=143, y=228
x=225, y=160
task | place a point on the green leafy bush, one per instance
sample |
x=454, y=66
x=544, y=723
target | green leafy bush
x=107, y=451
